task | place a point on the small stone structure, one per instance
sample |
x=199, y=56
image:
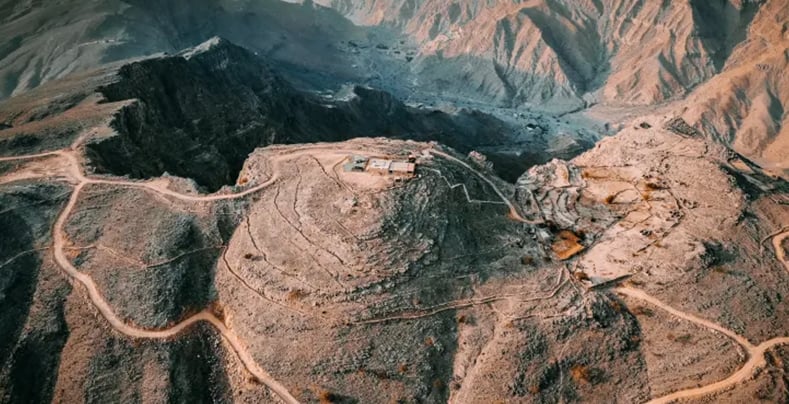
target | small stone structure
x=356, y=163
x=379, y=165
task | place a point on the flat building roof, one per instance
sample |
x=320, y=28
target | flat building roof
x=402, y=167
x=379, y=164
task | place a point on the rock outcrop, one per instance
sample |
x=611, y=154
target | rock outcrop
x=199, y=114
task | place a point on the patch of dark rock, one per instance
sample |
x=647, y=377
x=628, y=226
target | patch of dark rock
x=510, y=167
x=717, y=254
x=17, y=142
x=200, y=117
x=39, y=142
x=35, y=362
x=26, y=215
x=18, y=277
x=115, y=371
x=197, y=371
x=680, y=127
x=751, y=190
x=335, y=398
x=722, y=26
x=8, y=166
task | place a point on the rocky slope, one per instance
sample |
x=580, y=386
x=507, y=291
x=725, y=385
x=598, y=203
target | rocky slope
x=218, y=102
x=182, y=227
x=539, y=51
x=547, y=55
x=722, y=61
x=44, y=41
x=353, y=286
x=745, y=106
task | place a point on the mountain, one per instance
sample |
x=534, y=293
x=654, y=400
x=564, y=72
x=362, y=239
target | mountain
x=217, y=102
x=555, y=51
x=718, y=63
x=303, y=281
x=46, y=41
x=745, y=105
x=394, y=201
x=552, y=56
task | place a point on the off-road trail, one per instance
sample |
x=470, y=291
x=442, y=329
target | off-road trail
x=755, y=354
x=440, y=308
x=73, y=173
x=80, y=180
x=755, y=361
x=641, y=295
x=461, y=185
x=513, y=213
x=780, y=253
x=106, y=311
x=30, y=156
x=74, y=170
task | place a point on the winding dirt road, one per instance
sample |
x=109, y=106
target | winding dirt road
x=755, y=361
x=755, y=353
x=780, y=253
x=641, y=295
x=116, y=322
x=75, y=175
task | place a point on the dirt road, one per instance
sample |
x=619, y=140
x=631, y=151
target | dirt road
x=30, y=156
x=75, y=175
x=755, y=361
x=74, y=170
x=780, y=254
x=754, y=353
x=106, y=311
x=641, y=295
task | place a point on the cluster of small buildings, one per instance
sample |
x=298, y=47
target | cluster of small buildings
x=384, y=166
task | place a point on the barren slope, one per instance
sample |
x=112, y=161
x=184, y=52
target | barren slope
x=451, y=286
x=720, y=64
x=44, y=41
x=182, y=228
x=745, y=106
x=559, y=52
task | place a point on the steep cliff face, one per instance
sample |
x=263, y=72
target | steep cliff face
x=199, y=114
x=745, y=105
x=514, y=52
x=196, y=116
